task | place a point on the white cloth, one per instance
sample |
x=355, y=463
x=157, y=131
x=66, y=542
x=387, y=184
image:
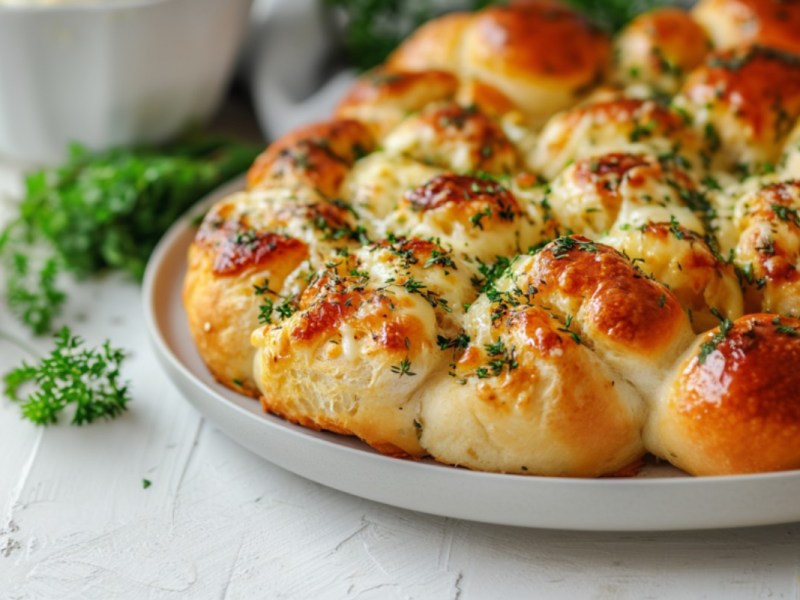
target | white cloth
x=289, y=64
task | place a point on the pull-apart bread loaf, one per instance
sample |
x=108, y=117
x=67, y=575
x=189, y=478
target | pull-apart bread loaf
x=520, y=246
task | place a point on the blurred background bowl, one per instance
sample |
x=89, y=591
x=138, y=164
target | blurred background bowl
x=114, y=73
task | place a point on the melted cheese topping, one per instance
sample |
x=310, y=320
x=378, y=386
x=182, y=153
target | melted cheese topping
x=617, y=192
x=768, y=252
x=621, y=125
x=434, y=274
x=657, y=49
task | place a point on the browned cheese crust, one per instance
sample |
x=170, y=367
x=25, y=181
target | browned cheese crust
x=502, y=62
x=382, y=98
x=735, y=22
x=317, y=157
x=768, y=252
x=744, y=102
x=658, y=48
x=615, y=125
x=733, y=406
x=556, y=376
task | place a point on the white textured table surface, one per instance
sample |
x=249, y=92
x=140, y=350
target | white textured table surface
x=219, y=522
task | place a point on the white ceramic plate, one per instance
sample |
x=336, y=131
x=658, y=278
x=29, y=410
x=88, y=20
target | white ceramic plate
x=660, y=498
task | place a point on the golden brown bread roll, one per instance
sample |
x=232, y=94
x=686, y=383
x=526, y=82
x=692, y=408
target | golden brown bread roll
x=732, y=404
x=744, y=103
x=544, y=384
x=254, y=249
x=657, y=49
x=454, y=137
x=768, y=252
x=618, y=191
x=634, y=324
x=477, y=217
x=381, y=99
x=377, y=182
x=363, y=339
x=684, y=262
x=539, y=55
x=435, y=45
x=524, y=397
x=260, y=239
x=226, y=263
x=736, y=22
x=316, y=157
x=620, y=125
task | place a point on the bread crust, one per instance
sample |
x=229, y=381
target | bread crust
x=736, y=22
x=637, y=323
x=526, y=398
x=538, y=56
x=744, y=102
x=317, y=156
x=383, y=98
x=542, y=73
x=454, y=137
x=768, y=252
x=629, y=125
x=658, y=48
x=733, y=405
x=614, y=192
x=363, y=339
x=477, y=217
x=435, y=45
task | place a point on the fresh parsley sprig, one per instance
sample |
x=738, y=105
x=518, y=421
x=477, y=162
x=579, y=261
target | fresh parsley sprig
x=89, y=379
x=32, y=292
x=104, y=211
x=110, y=209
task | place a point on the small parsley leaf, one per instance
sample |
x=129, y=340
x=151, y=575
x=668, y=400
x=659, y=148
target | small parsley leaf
x=708, y=347
x=404, y=368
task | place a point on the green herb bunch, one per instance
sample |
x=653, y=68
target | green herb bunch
x=104, y=211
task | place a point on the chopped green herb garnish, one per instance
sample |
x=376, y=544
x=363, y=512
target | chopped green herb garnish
x=708, y=347
x=477, y=218
x=712, y=137
x=786, y=213
x=784, y=329
x=495, y=348
x=404, y=368
x=566, y=329
x=460, y=342
x=675, y=227
x=562, y=246
x=711, y=183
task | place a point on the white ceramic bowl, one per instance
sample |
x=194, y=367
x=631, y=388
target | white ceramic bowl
x=112, y=72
